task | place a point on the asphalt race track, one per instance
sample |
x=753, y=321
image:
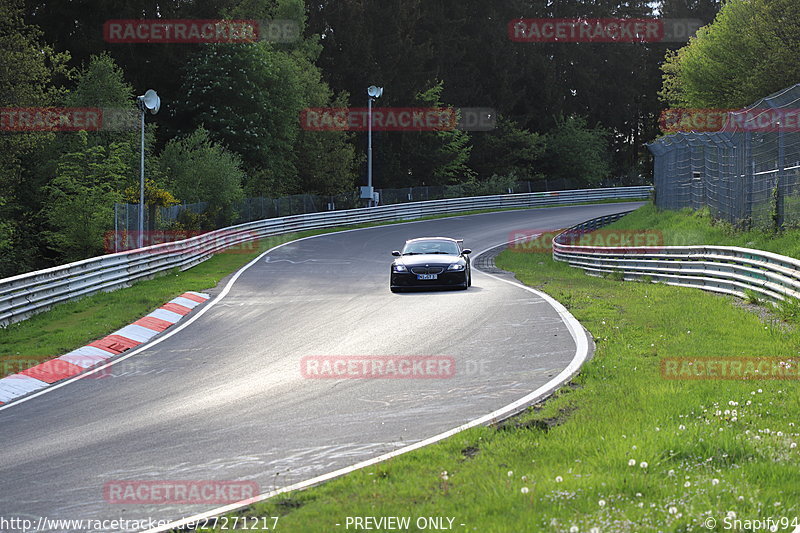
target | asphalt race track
x=224, y=398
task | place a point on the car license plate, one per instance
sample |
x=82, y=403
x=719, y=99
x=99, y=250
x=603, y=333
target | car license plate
x=426, y=276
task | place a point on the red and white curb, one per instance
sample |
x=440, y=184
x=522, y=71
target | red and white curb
x=100, y=351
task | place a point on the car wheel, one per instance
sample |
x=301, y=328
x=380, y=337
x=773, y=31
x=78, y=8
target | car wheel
x=394, y=289
x=469, y=278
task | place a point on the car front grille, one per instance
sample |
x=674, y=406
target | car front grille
x=427, y=270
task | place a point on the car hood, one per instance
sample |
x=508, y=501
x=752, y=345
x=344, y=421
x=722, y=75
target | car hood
x=427, y=259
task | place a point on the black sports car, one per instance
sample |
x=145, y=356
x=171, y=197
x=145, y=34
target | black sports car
x=431, y=262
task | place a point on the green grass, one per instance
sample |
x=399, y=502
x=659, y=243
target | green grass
x=687, y=227
x=700, y=448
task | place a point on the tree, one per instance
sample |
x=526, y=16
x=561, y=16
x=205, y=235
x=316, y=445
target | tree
x=81, y=198
x=506, y=150
x=576, y=152
x=434, y=157
x=31, y=74
x=200, y=170
x=248, y=97
x=748, y=52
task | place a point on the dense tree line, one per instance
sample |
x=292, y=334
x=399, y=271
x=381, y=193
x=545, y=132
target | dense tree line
x=750, y=51
x=229, y=124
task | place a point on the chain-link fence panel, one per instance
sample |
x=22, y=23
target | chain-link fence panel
x=746, y=173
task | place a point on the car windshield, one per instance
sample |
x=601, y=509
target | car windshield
x=431, y=247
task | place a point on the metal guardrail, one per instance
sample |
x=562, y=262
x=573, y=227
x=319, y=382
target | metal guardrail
x=27, y=294
x=724, y=269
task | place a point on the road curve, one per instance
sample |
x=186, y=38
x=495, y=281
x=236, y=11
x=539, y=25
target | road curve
x=224, y=399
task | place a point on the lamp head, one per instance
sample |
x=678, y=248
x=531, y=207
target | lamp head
x=150, y=101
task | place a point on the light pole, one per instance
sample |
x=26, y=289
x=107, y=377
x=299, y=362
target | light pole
x=149, y=101
x=374, y=93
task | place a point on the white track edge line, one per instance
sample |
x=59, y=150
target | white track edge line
x=238, y=273
x=575, y=328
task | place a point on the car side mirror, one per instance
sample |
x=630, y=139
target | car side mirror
x=396, y=253
x=466, y=251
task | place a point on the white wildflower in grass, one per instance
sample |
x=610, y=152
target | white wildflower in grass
x=673, y=510
x=793, y=445
x=777, y=504
x=687, y=484
x=638, y=494
x=510, y=473
x=641, y=504
x=574, y=529
x=524, y=490
x=731, y=514
x=444, y=475
x=524, y=478
x=760, y=391
x=643, y=464
x=681, y=427
x=740, y=498
x=594, y=530
x=601, y=503
x=671, y=473
x=559, y=479
x=632, y=462
x=715, y=481
x=780, y=433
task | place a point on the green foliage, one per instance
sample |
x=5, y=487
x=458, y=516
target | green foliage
x=575, y=151
x=201, y=170
x=789, y=310
x=101, y=84
x=748, y=52
x=508, y=149
x=81, y=198
x=439, y=157
x=752, y=297
x=31, y=73
x=248, y=97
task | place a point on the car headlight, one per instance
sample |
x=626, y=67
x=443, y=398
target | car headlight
x=399, y=268
x=456, y=266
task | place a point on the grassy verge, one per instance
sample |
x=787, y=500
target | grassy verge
x=621, y=448
x=687, y=227
x=73, y=324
